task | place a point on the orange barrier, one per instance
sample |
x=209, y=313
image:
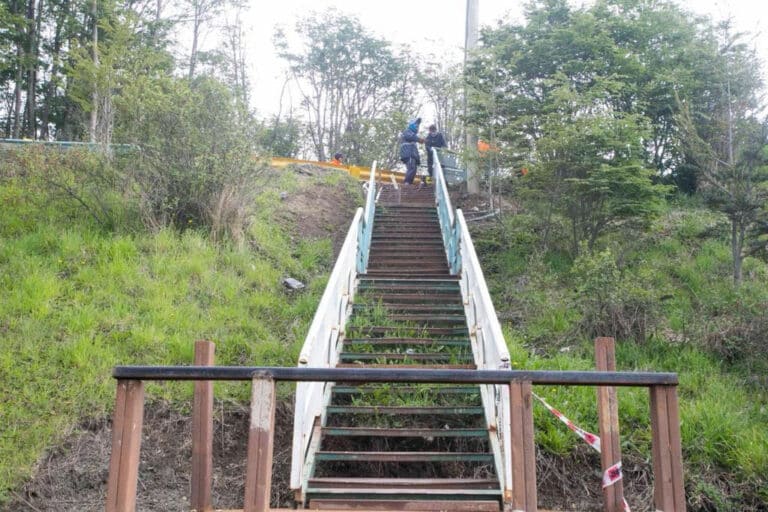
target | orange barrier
x=361, y=173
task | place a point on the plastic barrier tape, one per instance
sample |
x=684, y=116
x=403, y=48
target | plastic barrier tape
x=612, y=474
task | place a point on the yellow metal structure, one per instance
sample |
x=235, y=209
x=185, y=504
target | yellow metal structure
x=361, y=173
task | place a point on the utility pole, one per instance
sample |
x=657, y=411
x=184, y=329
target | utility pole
x=470, y=43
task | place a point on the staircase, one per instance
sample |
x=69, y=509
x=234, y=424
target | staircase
x=405, y=447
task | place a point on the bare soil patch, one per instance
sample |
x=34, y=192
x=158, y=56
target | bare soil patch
x=323, y=205
x=73, y=476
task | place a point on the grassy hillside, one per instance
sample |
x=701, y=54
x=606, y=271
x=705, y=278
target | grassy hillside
x=79, y=297
x=668, y=298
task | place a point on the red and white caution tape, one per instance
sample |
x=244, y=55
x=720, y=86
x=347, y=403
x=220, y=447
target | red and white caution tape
x=612, y=474
x=591, y=439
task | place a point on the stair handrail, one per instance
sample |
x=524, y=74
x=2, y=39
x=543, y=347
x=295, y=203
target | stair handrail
x=321, y=346
x=488, y=344
x=366, y=228
x=490, y=347
x=446, y=216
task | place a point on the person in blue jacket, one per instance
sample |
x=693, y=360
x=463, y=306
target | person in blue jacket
x=409, y=151
x=434, y=139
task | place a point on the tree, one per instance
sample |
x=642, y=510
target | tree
x=727, y=142
x=443, y=84
x=280, y=137
x=553, y=96
x=201, y=12
x=350, y=83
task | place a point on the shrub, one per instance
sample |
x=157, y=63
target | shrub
x=612, y=302
x=198, y=165
x=63, y=184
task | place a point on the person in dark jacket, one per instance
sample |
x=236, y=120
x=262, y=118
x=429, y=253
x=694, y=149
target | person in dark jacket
x=409, y=151
x=434, y=139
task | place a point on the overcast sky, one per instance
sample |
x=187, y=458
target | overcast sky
x=429, y=26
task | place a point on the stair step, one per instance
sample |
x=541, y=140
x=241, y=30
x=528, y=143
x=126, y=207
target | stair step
x=406, y=258
x=404, y=456
x=441, y=308
x=405, y=505
x=435, y=331
x=454, y=281
x=413, y=298
x=397, y=491
x=405, y=272
x=408, y=317
x=351, y=357
x=399, y=432
x=407, y=341
x=433, y=366
x=341, y=389
x=405, y=410
x=409, y=268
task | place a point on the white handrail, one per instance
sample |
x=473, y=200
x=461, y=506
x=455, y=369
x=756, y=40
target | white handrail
x=320, y=346
x=489, y=347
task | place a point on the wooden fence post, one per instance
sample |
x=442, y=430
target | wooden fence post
x=668, y=485
x=523, y=450
x=202, y=432
x=258, y=478
x=126, y=446
x=608, y=413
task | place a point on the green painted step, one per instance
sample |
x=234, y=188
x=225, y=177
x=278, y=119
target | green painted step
x=400, y=411
x=397, y=432
x=404, y=456
x=349, y=357
x=433, y=331
x=407, y=341
x=448, y=390
x=439, y=308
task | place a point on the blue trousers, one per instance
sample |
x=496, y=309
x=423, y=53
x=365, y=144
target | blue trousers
x=410, y=170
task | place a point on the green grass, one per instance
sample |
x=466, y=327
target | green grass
x=78, y=300
x=701, y=327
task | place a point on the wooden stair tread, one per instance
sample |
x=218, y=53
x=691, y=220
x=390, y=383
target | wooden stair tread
x=406, y=505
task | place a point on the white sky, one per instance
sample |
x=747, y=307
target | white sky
x=428, y=26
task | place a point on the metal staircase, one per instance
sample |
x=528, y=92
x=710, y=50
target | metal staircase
x=414, y=443
x=403, y=305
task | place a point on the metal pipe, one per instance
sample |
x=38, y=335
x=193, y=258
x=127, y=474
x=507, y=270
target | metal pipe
x=539, y=377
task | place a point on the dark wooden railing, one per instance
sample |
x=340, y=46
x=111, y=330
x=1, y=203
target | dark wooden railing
x=129, y=406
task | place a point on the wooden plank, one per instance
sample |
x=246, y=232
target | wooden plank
x=126, y=446
x=608, y=414
x=675, y=448
x=412, y=505
x=258, y=479
x=662, y=459
x=202, y=432
x=523, y=450
x=529, y=448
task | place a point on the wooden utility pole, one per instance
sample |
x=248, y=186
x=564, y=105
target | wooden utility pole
x=470, y=43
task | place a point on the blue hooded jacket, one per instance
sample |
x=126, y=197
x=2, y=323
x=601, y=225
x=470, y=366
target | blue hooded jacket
x=408, y=140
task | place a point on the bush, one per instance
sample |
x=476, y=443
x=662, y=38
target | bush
x=613, y=303
x=64, y=184
x=198, y=167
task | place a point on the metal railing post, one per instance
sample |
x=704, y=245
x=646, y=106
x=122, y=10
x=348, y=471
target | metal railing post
x=127, y=421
